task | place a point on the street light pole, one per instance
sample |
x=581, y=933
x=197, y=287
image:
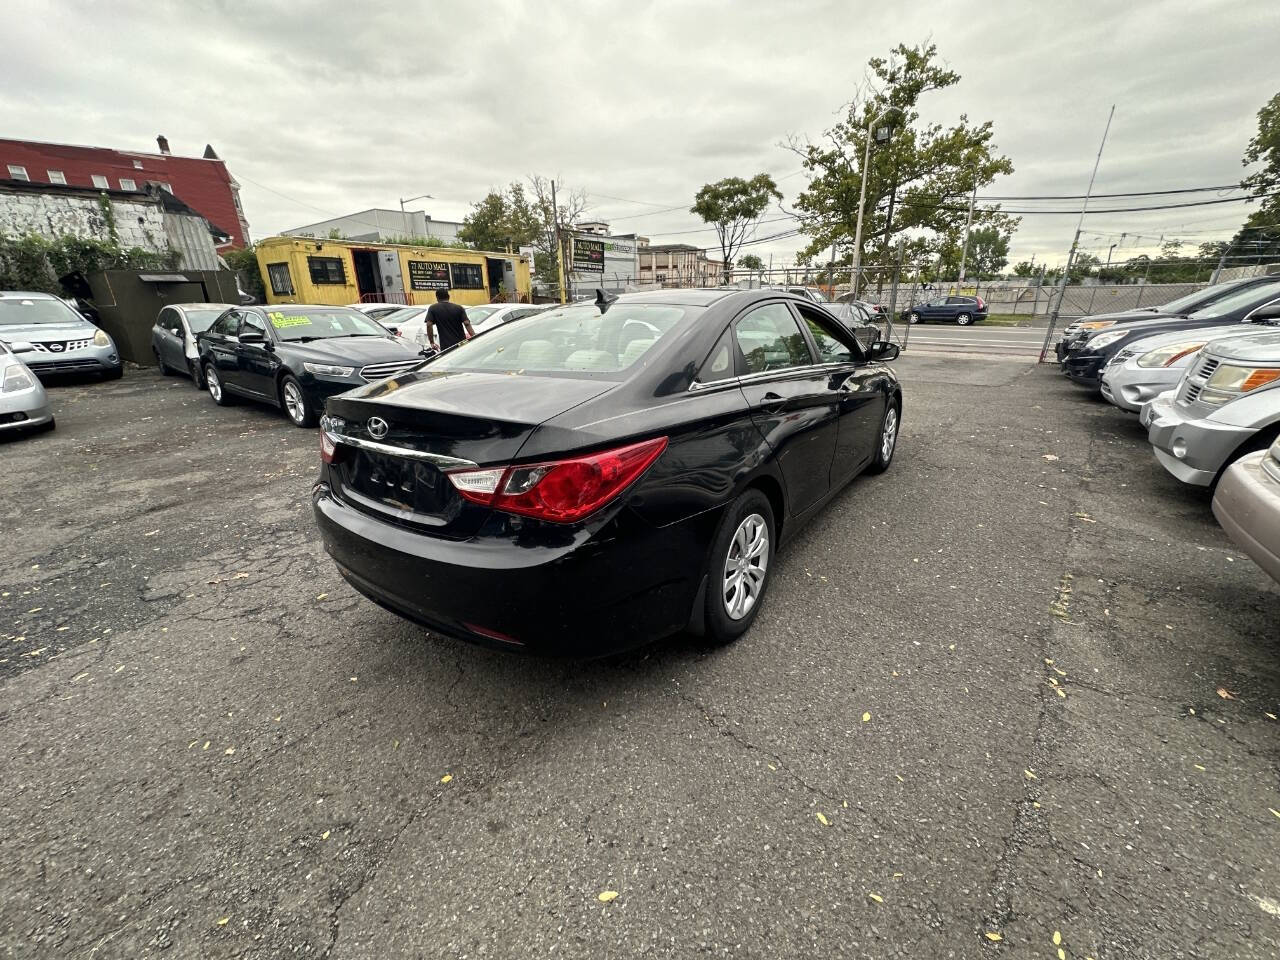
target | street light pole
x=856, y=270
x=404, y=215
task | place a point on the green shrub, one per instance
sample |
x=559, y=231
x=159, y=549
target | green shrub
x=33, y=262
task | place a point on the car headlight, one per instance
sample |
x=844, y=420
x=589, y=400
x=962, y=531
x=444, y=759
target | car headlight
x=1169, y=356
x=1230, y=382
x=15, y=379
x=1104, y=340
x=327, y=369
x=100, y=339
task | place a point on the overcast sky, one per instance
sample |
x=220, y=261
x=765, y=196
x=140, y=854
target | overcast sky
x=322, y=109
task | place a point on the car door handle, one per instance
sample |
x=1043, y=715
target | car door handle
x=772, y=402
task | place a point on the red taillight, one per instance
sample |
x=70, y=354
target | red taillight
x=328, y=448
x=562, y=491
x=981, y=304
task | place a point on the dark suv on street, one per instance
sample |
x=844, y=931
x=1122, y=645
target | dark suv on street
x=961, y=310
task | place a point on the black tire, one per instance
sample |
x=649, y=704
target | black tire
x=214, y=384
x=914, y=317
x=964, y=319
x=880, y=462
x=720, y=626
x=296, y=407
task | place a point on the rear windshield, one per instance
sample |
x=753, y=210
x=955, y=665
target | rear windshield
x=1244, y=300
x=403, y=315
x=1200, y=298
x=14, y=310
x=201, y=320
x=577, y=339
x=320, y=323
x=476, y=314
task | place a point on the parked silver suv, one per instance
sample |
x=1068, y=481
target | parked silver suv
x=61, y=339
x=1227, y=405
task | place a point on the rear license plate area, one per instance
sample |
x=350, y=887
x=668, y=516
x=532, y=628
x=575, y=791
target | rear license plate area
x=396, y=484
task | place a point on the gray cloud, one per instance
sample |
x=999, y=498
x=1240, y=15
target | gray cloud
x=321, y=110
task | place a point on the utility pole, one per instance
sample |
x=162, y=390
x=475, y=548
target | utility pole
x=1222, y=261
x=1075, y=243
x=856, y=270
x=964, y=250
x=555, y=216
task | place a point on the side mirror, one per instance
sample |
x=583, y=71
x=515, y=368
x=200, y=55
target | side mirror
x=1268, y=314
x=884, y=351
x=253, y=336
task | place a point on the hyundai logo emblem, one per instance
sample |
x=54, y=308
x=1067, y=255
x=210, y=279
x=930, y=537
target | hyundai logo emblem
x=377, y=427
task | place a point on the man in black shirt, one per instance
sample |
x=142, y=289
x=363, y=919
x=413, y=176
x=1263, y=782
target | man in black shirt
x=452, y=321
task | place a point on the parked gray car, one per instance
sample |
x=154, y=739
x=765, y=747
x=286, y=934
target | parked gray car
x=1227, y=405
x=62, y=340
x=23, y=403
x=173, y=337
x=1247, y=504
x=1146, y=368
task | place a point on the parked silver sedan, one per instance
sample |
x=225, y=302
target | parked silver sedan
x=1227, y=405
x=24, y=404
x=173, y=337
x=1247, y=504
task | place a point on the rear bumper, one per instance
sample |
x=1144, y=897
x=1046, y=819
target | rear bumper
x=585, y=595
x=1247, y=504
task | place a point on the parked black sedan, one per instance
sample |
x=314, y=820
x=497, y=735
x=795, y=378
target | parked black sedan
x=605, y=473
x=295, y=356
x=1085, y=364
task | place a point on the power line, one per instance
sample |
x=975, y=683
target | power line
x=1141, y=193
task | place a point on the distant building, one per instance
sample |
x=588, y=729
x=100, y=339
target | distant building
x=202, y=183
x=379, y=225
x=601, y=259
x=151, y=219
x=678, y=264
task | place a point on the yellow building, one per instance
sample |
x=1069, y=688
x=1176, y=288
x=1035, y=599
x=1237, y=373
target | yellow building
x=339, y=272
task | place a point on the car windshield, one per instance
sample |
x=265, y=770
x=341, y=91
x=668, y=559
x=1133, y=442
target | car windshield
x=403, y=315
x=1191, y=300
x=321, y=323
x=577, y=338
x=200, y=320
x=477, y=314
x=1244, y=300
x=15, y=310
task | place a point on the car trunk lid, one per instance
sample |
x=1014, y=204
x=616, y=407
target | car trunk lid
x=399, y=439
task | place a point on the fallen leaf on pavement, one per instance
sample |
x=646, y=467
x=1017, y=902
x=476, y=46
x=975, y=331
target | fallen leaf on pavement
x=607, y=896
x=446, y=778
x=1225, y=694
x=1274, y=810
x=1057, y=938
x=325, y=835
x=876, y=897
x=229, y=751
x=223, y=921
x=866, y=717
x=1047, y=456
x=1030, y=775
x=995, y=937
x=822, y=819
x=321, y=596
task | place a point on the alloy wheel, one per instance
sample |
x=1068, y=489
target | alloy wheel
x=915, y=317
x=964, y=319
x=889, y=435
x=294, y=402
x=215, y=385
x=745, y=566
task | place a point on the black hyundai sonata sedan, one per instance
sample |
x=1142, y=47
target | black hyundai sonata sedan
x=296, y=356
x=605, y=473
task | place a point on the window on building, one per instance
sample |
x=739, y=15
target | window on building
x=17, y=173
x=100, y=182
x=57, y=176
x=281, y=282
x=326, y=270
x=137, y=164
x=466, y=276
x=127, y=184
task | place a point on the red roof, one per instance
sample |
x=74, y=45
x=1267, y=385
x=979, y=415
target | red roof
x=203, y=184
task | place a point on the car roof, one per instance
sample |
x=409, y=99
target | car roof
x=28, y=295
x=201, y=306
x=295, y=307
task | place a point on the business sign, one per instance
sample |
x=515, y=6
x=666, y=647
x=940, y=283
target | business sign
x=428, y=275
x=588, y=255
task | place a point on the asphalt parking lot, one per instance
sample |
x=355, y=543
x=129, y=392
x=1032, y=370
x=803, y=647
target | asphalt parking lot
x=982, y=711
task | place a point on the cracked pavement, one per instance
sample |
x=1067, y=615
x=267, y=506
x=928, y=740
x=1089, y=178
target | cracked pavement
x=214, y=748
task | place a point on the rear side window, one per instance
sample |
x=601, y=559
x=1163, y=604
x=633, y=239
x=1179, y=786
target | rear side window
x=721, y=365
x=770, y=339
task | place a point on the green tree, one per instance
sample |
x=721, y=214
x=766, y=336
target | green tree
x=1258, y=241
x=572, y=205
x=987, y=255
x=733, y=206
x=503, y=218
x=918, y=181
x=750, y=261
x=244, y=262
x=1025, y=268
